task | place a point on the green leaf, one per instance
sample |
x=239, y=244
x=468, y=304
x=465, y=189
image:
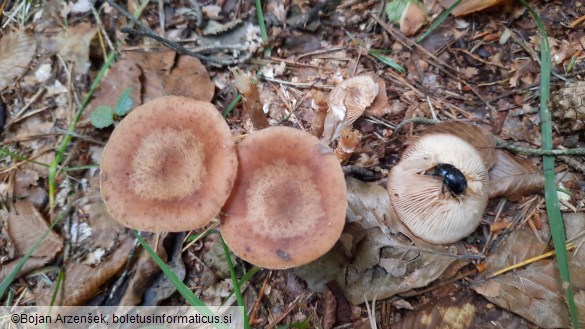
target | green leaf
x=102, y=116
x=394, y=10
x=124, y=103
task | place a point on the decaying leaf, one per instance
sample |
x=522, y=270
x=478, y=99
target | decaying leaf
x=483, y=140
x=463, y=311
x=534, y=292
x=513, y=177
x=16, y=51
x=162, y=287
x=189, y=78
x=154, y=74
x=146, y=271
x=329, y=310
x=370, y=240
x=347, y=102
x=25, y=226
x=83, y=281
x=380, y=104
x=569, y=103
x=73, y=44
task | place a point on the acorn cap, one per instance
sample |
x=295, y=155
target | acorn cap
x=168, y=166
x=288, y=204
x=430, y=211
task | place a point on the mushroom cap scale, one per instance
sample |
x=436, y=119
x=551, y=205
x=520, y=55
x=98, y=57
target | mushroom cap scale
x=289, y=200
x=168, y=166
x=421, y=201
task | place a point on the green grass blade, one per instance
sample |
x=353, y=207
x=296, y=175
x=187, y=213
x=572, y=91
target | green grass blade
x=235, y=282
x=263, y=33
x=177, y=283
x=550, y=189
x=67, y=138
x=386, y=60
x=14, y=273
x=6, y=152
x=232, y=105
x=438, y=21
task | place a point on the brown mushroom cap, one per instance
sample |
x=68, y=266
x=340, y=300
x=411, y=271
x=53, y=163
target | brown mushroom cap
x=168, y=166
x=431, y=212
x=288, y=204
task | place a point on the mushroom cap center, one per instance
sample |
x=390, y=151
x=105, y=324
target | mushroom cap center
x=168, y=164
x=280, y=207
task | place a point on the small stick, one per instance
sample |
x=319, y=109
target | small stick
x=260, y=294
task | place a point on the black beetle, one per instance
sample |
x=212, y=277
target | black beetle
x=453, y=178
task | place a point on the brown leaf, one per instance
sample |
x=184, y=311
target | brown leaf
x=189, y=78
x=16, y=51
x=463, y=311
x=329, y=309
x=380, y=105
x=370, y=238
x=73, y=44
x=534, y=292
x=483, y=140
x=83, y=281
x=513, y=177
x=146, y=270
x=412, y=19
x=25, y=226
x=122, y=75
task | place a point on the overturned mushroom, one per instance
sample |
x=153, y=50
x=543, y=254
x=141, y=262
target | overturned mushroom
x=168, y=166
x=439, y=188
x=288, y=204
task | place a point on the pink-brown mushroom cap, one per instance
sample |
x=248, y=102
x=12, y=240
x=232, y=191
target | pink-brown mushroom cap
x=288, y=204
x=168, y=166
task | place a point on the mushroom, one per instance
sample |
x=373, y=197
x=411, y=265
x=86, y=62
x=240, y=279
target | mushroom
x=168, y=166
x=288, y=204
x=439, y=188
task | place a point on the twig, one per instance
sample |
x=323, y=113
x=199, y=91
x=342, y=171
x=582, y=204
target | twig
x=525, y=150
x=426, y=121
x=286, y=312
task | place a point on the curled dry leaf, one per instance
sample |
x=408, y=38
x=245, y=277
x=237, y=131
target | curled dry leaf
x=73, y=44
x=347, y=102
x=483, y=140
x=370, y=239
x=463, y=311
x=25, y=226
x=380, y=104
x=16, y=51
x=512, y=177
x=534, y=292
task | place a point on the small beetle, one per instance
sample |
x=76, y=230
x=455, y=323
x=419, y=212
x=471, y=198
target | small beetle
x=453, y=178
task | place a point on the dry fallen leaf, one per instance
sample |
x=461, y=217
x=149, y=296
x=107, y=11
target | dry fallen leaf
x=512, y=177
x=370, y=240
x=16, y=51
x=534, y=292
x=25, y=226
x=73, y=44
x=83, y=281
x=463, y=311
x=470, y=6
